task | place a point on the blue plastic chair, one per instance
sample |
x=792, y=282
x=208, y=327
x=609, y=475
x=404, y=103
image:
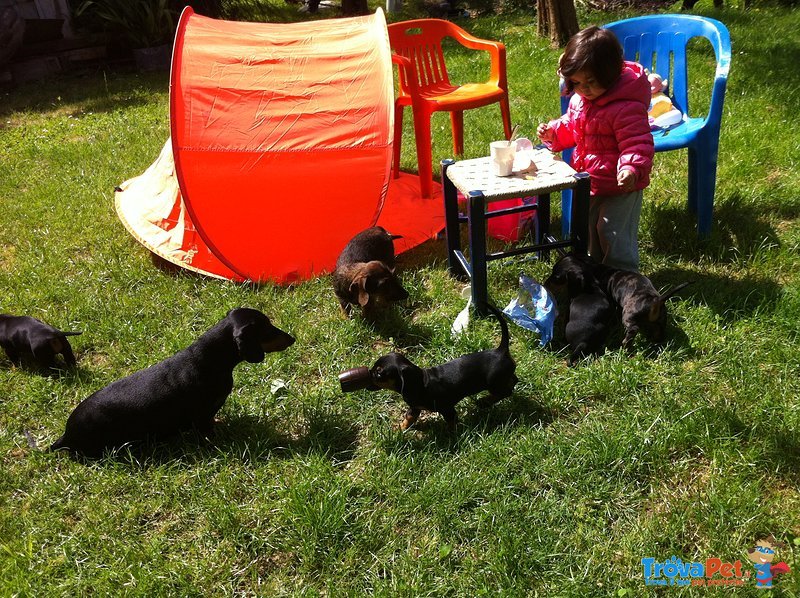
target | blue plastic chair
x=658, y=42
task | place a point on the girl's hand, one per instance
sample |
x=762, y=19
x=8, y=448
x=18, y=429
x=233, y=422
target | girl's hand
x=626, y=179
x=545, y=133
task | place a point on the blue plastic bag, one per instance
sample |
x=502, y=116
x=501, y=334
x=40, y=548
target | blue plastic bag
x=533, y=308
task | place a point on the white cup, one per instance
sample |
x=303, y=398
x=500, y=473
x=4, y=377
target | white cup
x=502, y=154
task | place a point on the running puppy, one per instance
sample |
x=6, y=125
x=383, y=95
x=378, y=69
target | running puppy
x=24, y=335
x=365, y=272
x=440, y=388
x=181, y=392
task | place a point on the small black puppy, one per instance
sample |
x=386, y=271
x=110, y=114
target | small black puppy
x=24, y=335
x=365, y=272
x=180, y=392
x=589, y=323
x=590, y=314
x=441, y=388
x=643, y=307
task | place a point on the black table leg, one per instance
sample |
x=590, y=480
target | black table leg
x=476, y=218
x=579, y=231
x=543, y=222
x=452, y=229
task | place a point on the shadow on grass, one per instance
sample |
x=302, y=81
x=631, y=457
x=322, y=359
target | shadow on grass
x=396, y=324
x=247, y=439
x=424, y=254
x=755, y=65
x=29, y=365
x=779, y=447
x=738, y=230
x=97, y=90
x=783, y=456
x=515, y=411
x=430, y=434
x=733, y=297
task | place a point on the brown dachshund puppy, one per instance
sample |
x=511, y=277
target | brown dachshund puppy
x=365, y=272
x=643, y=307
x=178, y=393
x=440, y=388
x=24, y=335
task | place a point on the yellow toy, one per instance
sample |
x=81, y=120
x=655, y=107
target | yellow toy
x=662, y=113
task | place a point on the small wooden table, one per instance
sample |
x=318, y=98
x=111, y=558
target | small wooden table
x=476, y=182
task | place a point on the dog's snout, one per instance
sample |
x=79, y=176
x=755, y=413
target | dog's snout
x=400, y=293
x=277, y=342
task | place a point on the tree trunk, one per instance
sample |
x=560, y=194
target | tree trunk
x=557, y=20
x=355, y=7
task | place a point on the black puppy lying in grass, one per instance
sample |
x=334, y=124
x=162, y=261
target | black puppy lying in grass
x=26, y=336
x=181, y=392
x=440, y=388
x=590, y=314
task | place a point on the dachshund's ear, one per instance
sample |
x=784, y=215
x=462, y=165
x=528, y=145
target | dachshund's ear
x=247, y=342
x=655, y=311
x=358, y=287
x=576, y=282
x=410, y=378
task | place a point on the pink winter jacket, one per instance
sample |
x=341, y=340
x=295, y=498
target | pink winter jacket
x=610, y=133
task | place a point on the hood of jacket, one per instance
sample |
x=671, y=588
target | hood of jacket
x=632, y=85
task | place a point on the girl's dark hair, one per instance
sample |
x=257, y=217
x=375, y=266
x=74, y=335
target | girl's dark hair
x=593, y=50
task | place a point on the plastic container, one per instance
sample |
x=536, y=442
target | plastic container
x=355, y=379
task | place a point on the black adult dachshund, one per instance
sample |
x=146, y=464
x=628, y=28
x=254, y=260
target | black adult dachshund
x=26, y=336
x=440, y=388
x=181, y=392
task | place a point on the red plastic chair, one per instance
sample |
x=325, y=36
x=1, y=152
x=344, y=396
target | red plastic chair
x=425, y=86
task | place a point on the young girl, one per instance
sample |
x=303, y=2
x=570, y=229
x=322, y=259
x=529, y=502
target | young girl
x=607, y=124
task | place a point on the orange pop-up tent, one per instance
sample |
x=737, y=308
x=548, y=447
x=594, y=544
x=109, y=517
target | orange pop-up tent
x=282, y=147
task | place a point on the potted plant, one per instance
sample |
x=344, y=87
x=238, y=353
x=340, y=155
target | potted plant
x=145, y=26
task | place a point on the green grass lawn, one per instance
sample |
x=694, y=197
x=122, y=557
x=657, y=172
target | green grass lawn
x=561, y=490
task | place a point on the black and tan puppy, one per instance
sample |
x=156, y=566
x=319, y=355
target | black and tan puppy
x=22, y=336
x=643, y=307
x=181, y=392
x=365, y=272
x=440, y=388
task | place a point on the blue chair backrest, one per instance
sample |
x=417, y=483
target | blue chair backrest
x=658, y=42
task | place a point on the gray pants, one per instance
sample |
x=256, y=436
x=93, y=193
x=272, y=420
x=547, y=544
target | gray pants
x=614, y=229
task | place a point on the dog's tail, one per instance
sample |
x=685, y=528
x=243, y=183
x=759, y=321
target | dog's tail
x=657, y=308
x=506, y=338
x=66, y=333
x=664, y=296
